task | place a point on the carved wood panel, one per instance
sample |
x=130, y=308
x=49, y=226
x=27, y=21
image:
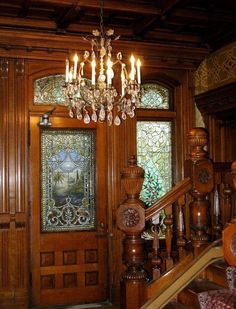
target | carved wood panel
x=13, y=189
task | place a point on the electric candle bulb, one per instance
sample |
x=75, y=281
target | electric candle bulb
x=76, y=58
x=67, y=70
x=139, y=71
x=132, y=72
x=109, y=72
x=93, y=71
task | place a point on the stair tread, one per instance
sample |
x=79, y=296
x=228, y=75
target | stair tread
x=219, y=264
x=175, y=305
x=202, y=285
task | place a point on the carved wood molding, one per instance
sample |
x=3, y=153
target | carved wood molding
x=220, y=102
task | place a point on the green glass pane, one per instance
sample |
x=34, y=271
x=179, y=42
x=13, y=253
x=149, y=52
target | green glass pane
x=154, y=96
x=67, y=180
x=154, y=155
x=50, y=90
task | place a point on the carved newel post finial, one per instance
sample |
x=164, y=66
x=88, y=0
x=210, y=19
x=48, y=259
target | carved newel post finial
x=200, y=169
x=131, y=220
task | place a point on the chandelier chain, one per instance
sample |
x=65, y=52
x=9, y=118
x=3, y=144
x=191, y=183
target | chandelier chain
x=101, y=17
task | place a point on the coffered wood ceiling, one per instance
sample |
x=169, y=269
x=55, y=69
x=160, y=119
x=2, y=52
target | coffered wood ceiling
x=195, y=23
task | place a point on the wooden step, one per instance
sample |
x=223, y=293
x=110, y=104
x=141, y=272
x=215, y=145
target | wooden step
x=189, y=296
x=216, y=273
x=175, y=305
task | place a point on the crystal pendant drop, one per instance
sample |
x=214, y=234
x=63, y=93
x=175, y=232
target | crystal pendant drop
x=102, y=114
x=79, y=116
x=94, y=117
x=71, y=114
x=117, y=121
x=86, y=118
x=123, y=115
x=109, y=118
x=131, y=114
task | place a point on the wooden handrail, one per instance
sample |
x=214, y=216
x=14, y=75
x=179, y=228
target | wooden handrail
x=169, y=198
x=211, y=254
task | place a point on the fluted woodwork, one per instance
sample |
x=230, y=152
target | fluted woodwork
x=14, y=196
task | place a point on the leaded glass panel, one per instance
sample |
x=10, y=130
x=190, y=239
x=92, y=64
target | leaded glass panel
x=50, y=90
x=155, y=96
x=154, y=155
x=68, y=180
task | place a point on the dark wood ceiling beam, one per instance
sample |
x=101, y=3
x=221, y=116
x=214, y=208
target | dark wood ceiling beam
x=24, y=9
x=108, y=5
x=149, y=22
x=71, y=15
x=196, y=15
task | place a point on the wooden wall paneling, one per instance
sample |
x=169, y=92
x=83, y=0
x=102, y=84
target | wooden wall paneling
x=13, y=217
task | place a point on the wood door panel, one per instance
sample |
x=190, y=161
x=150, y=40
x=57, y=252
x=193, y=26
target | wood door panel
x=68, y=267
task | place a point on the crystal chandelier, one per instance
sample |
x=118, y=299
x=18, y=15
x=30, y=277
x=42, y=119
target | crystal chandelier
x=92, y=95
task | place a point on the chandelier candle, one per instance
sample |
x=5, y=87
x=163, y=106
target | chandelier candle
x=98, y=99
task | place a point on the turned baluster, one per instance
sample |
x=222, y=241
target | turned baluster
x=200, y=169
x=131, y=220
x=168, y=221
x=216, y=226
x=156, y=259
x=227, y=211
x=181, y=241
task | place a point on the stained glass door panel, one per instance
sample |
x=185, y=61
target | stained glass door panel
x=68, y=213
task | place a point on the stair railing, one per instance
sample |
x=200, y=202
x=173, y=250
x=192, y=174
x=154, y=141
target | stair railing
x=187, y=210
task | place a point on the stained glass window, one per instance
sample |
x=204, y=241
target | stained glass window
x=154, y=155
x=50, y=90
x=155, y=96
x=67, y=180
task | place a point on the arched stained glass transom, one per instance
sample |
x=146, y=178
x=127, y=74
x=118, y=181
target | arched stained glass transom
x=155, y=96
x=49, y=90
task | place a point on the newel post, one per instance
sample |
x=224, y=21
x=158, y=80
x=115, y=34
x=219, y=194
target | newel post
x=131, y=220
x=200, y=169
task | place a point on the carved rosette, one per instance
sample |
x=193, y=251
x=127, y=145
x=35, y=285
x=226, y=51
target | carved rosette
x=131, y=218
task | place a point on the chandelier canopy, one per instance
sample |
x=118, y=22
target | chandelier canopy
x=92, y=94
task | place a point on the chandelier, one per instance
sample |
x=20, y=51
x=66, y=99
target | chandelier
x=92, y=94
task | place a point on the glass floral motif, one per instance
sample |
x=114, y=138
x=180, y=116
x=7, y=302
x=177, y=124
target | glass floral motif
x=67, y=180
x=154, y=155
x=50, y=90
x=154, y=96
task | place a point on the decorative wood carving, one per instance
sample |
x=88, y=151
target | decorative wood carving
x=200, y=169
x=131, y=220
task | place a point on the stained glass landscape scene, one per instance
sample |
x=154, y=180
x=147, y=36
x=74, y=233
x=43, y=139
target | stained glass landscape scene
x=68, y=180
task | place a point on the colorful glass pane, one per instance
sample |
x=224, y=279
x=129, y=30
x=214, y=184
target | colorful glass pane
x=155, y=96
x=154, y=155
x=67, y=180
x=50, y=90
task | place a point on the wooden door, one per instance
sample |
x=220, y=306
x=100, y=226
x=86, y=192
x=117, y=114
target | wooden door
x=68, y=264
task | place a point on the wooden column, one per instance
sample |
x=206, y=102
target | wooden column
x=131, y=220
x=14, y=272
x=200, y=169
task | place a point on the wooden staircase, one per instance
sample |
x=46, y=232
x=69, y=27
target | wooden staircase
x=186, y=261
x=213, y=278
